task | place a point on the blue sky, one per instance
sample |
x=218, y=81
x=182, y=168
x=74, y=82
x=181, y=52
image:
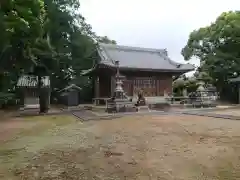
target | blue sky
x=153, y=23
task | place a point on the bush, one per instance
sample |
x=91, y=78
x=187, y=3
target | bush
x=7, y=99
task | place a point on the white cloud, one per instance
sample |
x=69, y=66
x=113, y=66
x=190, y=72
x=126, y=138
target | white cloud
x=153, y=23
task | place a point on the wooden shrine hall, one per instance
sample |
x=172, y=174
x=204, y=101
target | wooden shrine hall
x=150, y=70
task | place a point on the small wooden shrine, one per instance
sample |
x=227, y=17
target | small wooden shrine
x=30, y=92
x=69, y=96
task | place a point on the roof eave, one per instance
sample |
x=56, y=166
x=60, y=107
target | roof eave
x=157, y=70
x=88, y=71
x=234, y=80
x=146, y=69
x=72, y=86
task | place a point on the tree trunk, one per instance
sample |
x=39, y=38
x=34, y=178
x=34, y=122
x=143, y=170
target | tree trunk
x=43, y=97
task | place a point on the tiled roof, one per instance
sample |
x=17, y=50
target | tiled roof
x=237, y=79
x=72, y=86
x=31, y=81
x=139, y=58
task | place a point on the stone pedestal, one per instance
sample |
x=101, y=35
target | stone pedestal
x=143, y=109
x=120, y=106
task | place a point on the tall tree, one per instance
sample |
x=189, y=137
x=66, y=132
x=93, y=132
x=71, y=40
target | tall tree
x=217, y=46
x=72, y=39
x=21, y=25
x=21, y=29
x=50, y=35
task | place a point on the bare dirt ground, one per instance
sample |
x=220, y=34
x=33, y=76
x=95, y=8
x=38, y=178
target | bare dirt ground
x=146, y=147
x=233, y=112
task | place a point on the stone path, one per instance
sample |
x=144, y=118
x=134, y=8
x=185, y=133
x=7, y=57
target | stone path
x=214, y=115
x=88, y=115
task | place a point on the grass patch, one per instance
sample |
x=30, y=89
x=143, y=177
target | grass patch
x=229, y=170
x=44, y=123
x=57, y=119
x=36, y=125
x=61, y=147
x=24, y=142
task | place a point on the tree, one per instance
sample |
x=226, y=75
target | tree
x=74, y=43
x=22, y=27
x=106, y=40
x=202, y=75
x=50, y=37
x=39, y=35
x=183, y=82
x=217, y=46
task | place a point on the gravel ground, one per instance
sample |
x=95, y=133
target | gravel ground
x=136, y=147
x=232, y=112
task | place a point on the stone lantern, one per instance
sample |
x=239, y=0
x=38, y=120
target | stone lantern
x=119, y=92
x=119, y=102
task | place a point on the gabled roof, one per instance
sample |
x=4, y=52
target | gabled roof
x=139, y=58
x=235, y=80
x=32, y=81
x=72, y=86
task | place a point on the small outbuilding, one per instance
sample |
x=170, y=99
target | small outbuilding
x=237, y=82
x=29, y=90
x=69, y=96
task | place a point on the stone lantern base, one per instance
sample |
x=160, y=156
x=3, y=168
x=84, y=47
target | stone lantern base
x=119, y=102
x=119, y=105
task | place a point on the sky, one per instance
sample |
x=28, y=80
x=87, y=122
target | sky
x=153, y=23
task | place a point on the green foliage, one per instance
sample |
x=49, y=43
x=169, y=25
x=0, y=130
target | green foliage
x=22, y=24
x=190, y=84
x=217, y=46
x=203, y=76
x=45, y=37
x=106, y=40
x=6, y=98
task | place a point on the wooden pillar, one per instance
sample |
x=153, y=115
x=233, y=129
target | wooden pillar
x=172, y=86
x=96, y=87
x=49, y=97
x=21, y=95
x=238, y=93
x=158, y=86
x=113, y=84
x=134, y=86
x=131, y=84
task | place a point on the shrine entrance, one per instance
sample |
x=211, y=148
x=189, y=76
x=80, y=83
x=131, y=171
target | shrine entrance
x=128, y=87
x=148, y=85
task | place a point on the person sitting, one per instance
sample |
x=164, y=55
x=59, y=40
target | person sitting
x=141, y=100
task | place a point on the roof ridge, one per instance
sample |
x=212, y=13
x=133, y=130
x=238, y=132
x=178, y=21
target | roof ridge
x=132, y=48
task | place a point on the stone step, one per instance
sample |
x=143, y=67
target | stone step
x=143, y=108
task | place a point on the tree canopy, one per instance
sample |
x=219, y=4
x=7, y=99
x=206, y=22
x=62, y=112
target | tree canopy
x=106, y=40
x=51, y=34
x=217, y=46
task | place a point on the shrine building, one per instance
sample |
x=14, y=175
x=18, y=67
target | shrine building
x=148, y=69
